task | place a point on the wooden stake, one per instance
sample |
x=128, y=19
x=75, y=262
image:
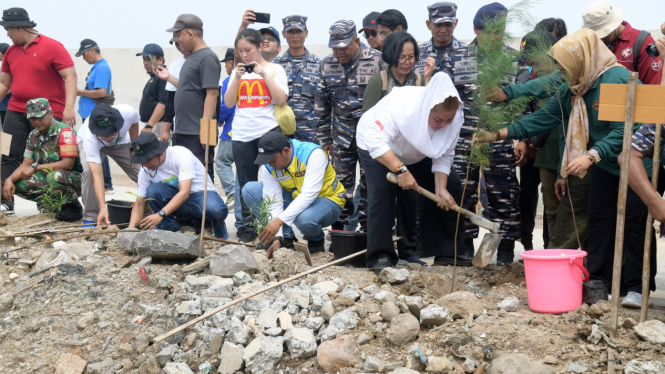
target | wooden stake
x=236, y=301
x=72, y=237
x=621, y=204
x=205, y=187
x=611, y=364
x=646, y=263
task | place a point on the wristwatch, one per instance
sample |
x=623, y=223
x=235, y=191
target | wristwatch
x=400, y=170
x=162, y=213
x=593, y=156
x=34, y=166
x=148, y=126
x=280, y=238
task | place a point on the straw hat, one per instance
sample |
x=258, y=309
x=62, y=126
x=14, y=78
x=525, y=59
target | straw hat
x=602, y=18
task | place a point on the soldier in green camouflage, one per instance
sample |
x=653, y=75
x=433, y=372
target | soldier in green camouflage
x=51, y=146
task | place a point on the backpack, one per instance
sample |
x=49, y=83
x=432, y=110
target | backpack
x=641, y=38
x=284, y=115
x=384, y=79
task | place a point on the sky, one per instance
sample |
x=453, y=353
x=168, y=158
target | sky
x=134, y=23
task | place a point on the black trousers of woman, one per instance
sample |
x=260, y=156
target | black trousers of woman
x=437, y=226
x=603, y=197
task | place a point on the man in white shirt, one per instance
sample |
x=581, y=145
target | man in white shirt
x=301, y=179
x=172, y=181
x=108, y=131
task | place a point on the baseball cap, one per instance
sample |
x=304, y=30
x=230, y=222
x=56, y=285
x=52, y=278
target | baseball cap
x=105, y=120
x=85, y=44
x=37, y=108
x=173, y=39
x=342, y=33
x=152, y=50
x=4, y=47
x=145, y=147
x=442, y=12
x=369, y=22
x=489, y=12
x=294, y=22
x=602, y=17
x=230, y=54
x=186, y=21
x=271, y=30
x=270, y=144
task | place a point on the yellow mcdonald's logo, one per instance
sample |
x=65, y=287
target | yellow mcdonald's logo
x=249, y=89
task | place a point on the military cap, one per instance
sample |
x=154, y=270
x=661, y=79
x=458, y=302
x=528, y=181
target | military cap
x=37, y=108
x=442, y=12
x=295, y=22
x=342, y=34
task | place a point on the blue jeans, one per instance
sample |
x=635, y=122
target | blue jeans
x=191, y=209
x=223, y=161
x=108, y=182
x=237, y=210
x=322, y=213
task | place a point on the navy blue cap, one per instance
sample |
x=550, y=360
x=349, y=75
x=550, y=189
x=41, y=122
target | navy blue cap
x=369, y=22
x=152, y=50
x=442, y=12
x=4, y=47
x=271, y=30
x=295, y=22
x=105, y=120
x=487, y=13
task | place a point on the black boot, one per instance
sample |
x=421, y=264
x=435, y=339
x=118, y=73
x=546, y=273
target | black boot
x=468, y=247
x=505, y=253
x=70, y=212
x=316, y=246
x=289, y=242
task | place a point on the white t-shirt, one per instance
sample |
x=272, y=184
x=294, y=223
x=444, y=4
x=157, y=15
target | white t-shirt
x=180, y=164
x=174, y=69
x=255, y=112
x=92, y=145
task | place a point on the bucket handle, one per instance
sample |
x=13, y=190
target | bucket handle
x=585, y=272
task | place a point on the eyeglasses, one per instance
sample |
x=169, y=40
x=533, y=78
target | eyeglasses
x=404, y=59
x=270, y=39
x=384, y=34
x=370, y=34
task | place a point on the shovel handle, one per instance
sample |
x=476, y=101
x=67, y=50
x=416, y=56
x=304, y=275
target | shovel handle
x=393, y=179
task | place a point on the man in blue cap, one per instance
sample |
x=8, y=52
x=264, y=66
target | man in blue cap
x=272, y=45
x=153, y=101
x=443, y=45
x=302, y=70
x=343, y=78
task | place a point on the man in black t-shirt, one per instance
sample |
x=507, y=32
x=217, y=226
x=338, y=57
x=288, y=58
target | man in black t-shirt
x=153, y=101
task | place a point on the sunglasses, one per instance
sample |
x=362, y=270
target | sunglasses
x=370, y=33
x=270, y=39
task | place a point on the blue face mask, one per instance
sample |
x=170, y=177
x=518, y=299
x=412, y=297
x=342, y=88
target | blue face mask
x=112, y=142
x=530, y=69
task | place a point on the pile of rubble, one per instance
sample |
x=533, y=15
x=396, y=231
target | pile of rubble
x=93, y=313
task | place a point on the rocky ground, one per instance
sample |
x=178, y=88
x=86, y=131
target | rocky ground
x=93, y=313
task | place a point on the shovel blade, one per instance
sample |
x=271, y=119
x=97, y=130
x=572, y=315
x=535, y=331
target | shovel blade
x=480, y=221
x=302, y=247
x=487, y=249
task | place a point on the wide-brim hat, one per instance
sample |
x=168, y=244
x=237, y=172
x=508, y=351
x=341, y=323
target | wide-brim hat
x=602, y=17
x=16, y=17
x=145, y=147
x=105, y=120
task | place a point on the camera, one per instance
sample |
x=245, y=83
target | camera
x=249, y=68
x=652, y=50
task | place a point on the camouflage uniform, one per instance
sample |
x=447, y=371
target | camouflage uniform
x=337, y=110
x=59, y=142
x=303, y=78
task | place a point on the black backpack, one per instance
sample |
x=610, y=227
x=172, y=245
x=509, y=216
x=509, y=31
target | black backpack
x=641, y=38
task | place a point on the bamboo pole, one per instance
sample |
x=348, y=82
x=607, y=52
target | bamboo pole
x=205, y=187
x=236, y=301
x=646, y=263
x=621, y=204
x=72, y=237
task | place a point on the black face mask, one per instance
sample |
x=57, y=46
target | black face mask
x=159, y=161
x=614, y=37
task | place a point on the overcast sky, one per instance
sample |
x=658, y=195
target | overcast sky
x=134, y=23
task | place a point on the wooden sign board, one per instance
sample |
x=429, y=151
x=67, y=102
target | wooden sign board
x=649, y=103
x=212, y=132
x=5, y=143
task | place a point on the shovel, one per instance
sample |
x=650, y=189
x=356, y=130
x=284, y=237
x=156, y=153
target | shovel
x=490, y=241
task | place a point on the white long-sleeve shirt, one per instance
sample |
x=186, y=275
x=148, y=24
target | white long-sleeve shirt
x=316, y=168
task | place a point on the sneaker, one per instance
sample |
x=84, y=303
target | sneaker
x=632, y=300
x=6, y=208
x=70, y=212
x=415, y=260
x=382, y=263
x=288, y=243
x=247, y=236
x=316, y=246
x=229, y=202
x=462, y=260
x=108, y=191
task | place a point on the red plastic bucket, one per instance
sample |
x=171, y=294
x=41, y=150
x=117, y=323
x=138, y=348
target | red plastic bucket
x=554, y=279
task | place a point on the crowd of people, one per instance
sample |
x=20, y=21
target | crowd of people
x=384, y=105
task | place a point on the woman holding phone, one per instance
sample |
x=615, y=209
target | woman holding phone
x=255, y=88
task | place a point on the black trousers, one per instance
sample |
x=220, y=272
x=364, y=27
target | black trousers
x=603, y=197
x=437, y=226
x=529, y=181
x=193, y=143
x=407, y=223
x=245, y=154
x=19, y=126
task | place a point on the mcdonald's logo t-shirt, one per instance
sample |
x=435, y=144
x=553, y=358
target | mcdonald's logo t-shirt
x=255, y=111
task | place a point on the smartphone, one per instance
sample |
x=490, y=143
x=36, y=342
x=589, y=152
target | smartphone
x=153, y=64
x=262, y=17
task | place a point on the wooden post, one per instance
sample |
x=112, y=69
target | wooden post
x=621, y=203
x=646, y=263
x=205, y=187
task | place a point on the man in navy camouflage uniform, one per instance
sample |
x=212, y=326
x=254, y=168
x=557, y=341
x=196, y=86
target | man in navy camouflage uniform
x=51, y=147
x=343, y=77
x=302, y=70
x=442, y=23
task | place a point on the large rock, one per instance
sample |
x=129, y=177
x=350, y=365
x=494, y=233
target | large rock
x=177, y=368
x=334, y=355
x=166, y=245
x=238, y=332
x=267, y=319
x=652, y=331
x=393, y=275
x=231, y=358
x=231, y=259
x=438, y=365
x=68, y=363
x=327, y=310
x=262, y=354
x=372, y=364
x=211, y=284
x=639, y=367
x=404, y=328
x=389, y=310
x=509, y=304
x=124, y=240
x=435, y=315
x=166, y=355
x=6, y=301
x=87, y=319
x=462, y=304
x=519, y=363
x=301, y=342
x=342, y=321
x=108, y=366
